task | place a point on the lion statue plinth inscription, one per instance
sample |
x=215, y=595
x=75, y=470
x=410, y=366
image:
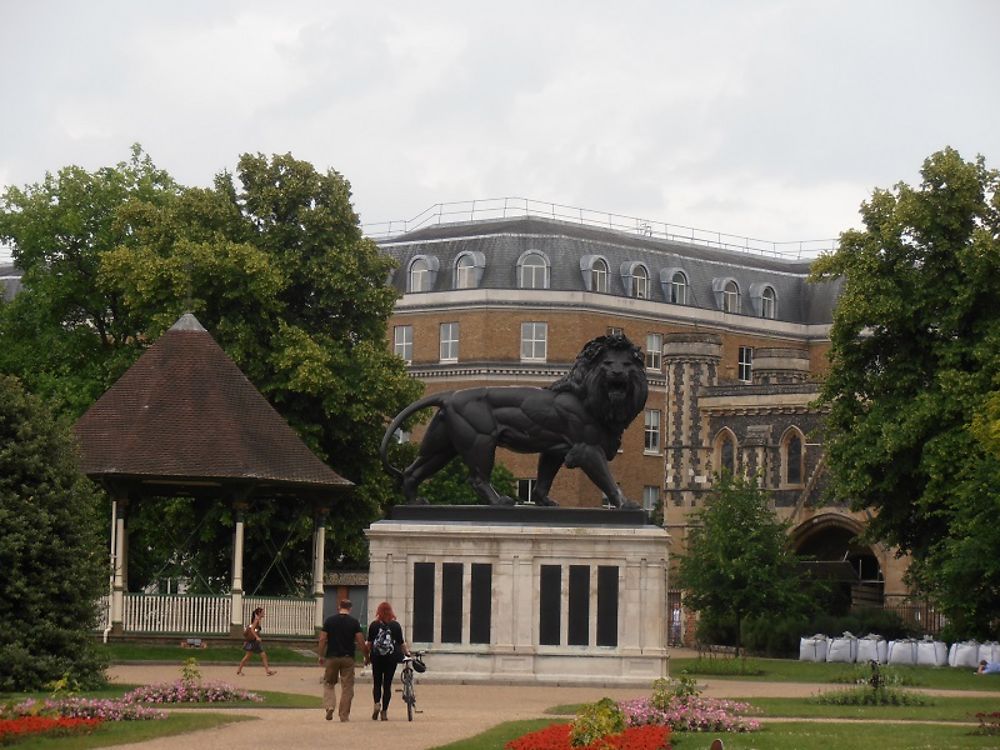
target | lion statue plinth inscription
x=577, y=421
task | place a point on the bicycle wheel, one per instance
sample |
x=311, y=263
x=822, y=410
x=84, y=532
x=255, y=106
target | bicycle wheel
x=408, y=697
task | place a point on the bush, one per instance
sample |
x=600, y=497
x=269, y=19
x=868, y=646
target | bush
x=595, y=721
x=778, y=636
x=866, y=696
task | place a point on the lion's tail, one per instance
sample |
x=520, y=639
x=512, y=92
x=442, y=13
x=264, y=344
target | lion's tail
x=435, y=399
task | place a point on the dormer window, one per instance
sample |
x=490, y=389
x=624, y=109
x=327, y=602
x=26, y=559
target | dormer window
x=422, y=273
x=533, y=271
x=465, y=272
x=635, y=279
x=674, y=283
x=731, y=297
x=599, y=276
x=768, y=303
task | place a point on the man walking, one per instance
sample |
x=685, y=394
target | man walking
x=340, y=636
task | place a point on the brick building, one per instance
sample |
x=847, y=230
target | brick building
x=735, y=343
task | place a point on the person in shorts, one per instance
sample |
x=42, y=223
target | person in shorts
x=253, y=643
x=338, y=641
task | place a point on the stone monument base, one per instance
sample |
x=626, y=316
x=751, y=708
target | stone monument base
x=526, y=595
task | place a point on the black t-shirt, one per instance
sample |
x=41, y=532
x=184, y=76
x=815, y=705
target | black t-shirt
x=340, y=630
x=396, y=630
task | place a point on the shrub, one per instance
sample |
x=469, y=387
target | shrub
x=595, y=721
x=190, y=692
x=691, y=715
x=725, y=666
x=83, y=708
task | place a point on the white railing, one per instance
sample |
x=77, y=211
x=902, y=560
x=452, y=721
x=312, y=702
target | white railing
x=193, y=615
x=283, y=616
x=511, y=207
x=209, y=615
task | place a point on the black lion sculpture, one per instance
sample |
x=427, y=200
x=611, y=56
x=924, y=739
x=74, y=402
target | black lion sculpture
x=577, y=421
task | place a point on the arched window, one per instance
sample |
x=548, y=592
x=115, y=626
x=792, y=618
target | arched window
x=533, y=271
x=792, y=455
x=731, y=297
x=768, y=303
x=679, y=288
x=640, y=282
x=465, y=272
x=725, y=451
x=420, y=276
x=599, y=276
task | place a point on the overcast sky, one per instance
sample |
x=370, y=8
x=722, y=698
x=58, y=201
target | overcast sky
x=772, y=119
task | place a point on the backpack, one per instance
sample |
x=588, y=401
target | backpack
x=383, y=645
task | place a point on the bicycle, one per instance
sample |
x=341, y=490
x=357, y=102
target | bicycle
x=412, y=663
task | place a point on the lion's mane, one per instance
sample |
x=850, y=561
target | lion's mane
x=584, y=380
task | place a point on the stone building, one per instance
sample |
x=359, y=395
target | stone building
x=735, y=344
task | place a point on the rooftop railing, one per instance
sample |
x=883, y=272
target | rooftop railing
x=512, y=208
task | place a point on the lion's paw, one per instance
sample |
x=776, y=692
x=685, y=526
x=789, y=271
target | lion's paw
x=504, y=500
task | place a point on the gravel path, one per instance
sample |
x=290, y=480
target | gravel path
x=448, y=712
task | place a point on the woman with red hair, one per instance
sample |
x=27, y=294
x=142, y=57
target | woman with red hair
x=386, y=649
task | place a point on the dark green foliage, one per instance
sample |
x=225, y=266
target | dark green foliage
x=273, y=263
x=868, y=696
x=778, y=635
x=738, y=562
x=52, y=569
x=450, y=486
x=914, y=381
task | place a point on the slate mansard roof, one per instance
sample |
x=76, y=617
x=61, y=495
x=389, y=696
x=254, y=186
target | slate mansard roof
x=502, y=242
x=184, y=411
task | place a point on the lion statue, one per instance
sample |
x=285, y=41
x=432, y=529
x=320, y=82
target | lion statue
x=577, y=421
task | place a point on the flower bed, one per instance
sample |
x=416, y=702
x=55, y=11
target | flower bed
x=185, y=691
x=691, y=714
x=556, y=737
x=12, y=730
x=84, y=708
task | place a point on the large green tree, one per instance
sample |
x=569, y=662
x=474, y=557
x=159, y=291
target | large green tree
x=51, y=567
x=915, y=363
x=739, y=562
x=272, y=261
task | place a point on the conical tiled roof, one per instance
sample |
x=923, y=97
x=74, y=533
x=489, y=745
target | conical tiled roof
x=184, y=411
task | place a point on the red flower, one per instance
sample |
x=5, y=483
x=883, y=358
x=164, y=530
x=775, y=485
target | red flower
x=556, y=737
x=13, y=729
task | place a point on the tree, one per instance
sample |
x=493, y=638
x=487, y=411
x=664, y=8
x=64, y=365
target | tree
x=274, y=264
x=738, y=562
x=915, y=361
x=450, y=486
x=51, y=570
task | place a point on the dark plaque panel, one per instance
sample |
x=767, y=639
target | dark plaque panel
x=579, y=605
x=549, y=605
x=607, y=605
x=480, y=606
x=451, y=603
x=423, y=602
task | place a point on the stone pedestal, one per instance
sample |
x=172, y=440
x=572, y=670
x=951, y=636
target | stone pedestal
x=526, y=595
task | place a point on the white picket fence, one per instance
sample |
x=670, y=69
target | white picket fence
x=210, y=615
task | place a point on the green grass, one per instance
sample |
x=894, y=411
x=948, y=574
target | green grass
x=129, y=652
x=788, y=670
x=781, y=736
x=272, y=699
x=125, y=732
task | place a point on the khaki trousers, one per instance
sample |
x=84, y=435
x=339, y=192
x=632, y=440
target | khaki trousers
x=338, y=668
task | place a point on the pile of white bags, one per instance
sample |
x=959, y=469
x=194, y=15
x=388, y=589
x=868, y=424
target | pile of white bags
x=872, y=648
x=931, y=653
x=843, y=649
x=989, y=651
x=903, y=651
x=813, y=649
x=964, y=654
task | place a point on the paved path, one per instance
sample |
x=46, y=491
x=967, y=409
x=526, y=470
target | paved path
x=449, y=712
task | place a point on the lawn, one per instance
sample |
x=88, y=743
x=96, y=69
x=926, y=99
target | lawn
x=132, y=652
x=126, y=732
x=789, y=670
x=781, y=736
